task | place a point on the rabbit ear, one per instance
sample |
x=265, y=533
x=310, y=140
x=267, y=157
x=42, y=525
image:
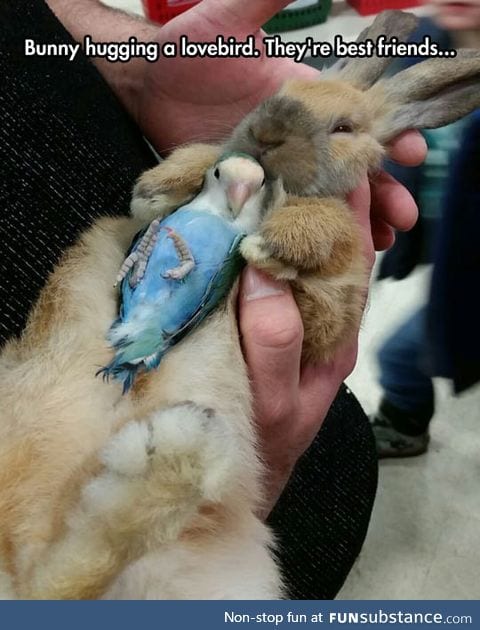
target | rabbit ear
x=363, y=73
x=430, y=94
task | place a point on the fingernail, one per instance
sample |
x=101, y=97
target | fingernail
x=257, y=285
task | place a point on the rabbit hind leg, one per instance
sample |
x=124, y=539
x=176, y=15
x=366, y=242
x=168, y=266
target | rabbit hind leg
x=331, y=310
x=156, y=473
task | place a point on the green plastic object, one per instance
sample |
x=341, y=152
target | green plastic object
x=290, y=19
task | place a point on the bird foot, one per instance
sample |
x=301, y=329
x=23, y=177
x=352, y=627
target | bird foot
x=138, y=260
x=187, y=262
x=180, y=272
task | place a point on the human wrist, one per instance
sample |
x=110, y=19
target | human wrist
x=106, y=24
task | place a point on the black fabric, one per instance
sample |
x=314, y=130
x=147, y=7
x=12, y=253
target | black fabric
x=321, y=519
x=69, y=154
x=454, y=305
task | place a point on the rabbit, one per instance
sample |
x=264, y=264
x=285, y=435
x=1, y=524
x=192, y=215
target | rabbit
x=156, y=494
x=320, y=137
x=150, y=495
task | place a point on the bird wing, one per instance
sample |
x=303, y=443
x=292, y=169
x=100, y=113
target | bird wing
x=160, y=311
x=218, y=288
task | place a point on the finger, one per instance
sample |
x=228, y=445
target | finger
x=383, y=234
x=409, y=148
x=392, y=202
x=272, y=336
x=248, y=16
x=360, y=201
x=288, y=69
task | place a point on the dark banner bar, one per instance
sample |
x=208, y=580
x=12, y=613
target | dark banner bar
x=224, y=615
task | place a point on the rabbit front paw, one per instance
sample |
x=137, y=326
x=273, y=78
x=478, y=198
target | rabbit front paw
x=174, y=182
x=149, y=204
x=257, y=253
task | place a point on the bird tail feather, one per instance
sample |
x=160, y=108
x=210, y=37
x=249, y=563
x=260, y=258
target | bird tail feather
x=123, y=372
x=127, y=372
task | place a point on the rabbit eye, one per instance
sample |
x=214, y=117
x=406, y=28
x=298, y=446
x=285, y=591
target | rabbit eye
x=217, y=173
x=263, y=183
x=343, y=128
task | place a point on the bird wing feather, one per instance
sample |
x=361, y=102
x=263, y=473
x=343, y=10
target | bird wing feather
x=159, y=312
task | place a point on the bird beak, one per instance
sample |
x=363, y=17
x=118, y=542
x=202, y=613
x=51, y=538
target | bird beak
x=238, y=194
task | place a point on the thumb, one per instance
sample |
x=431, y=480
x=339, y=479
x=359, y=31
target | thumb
x=272, y=335
x=360, y=201
x=248, y=16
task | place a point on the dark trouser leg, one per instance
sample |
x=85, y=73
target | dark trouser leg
x=401, y=422
x=408, y=390
x=69, y=154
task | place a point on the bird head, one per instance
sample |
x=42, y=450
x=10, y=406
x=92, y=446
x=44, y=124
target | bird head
x=239, y=184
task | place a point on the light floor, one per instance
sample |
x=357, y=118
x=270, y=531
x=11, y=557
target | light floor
x=424, y=538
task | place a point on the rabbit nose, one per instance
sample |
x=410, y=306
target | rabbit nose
x=265, y=144
x=266, y=148
x=266, y=139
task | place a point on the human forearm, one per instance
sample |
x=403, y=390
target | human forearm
x=105, y=24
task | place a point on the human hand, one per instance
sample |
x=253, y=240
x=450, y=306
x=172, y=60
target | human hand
x=191, y=100
x=393, y=207
x=291, y=400
x=202, y=99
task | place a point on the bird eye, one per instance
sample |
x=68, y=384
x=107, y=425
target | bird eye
x=343, y=128
x=217, y=173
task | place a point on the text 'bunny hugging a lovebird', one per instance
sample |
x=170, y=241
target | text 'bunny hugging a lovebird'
x=150, y=485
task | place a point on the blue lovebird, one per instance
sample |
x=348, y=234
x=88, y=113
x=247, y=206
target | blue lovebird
x=181, y=267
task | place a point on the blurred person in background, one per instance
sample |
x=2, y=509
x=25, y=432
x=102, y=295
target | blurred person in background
x=442, y=337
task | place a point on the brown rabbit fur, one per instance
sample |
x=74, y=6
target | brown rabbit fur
x=150, y=494
x=75, y=511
